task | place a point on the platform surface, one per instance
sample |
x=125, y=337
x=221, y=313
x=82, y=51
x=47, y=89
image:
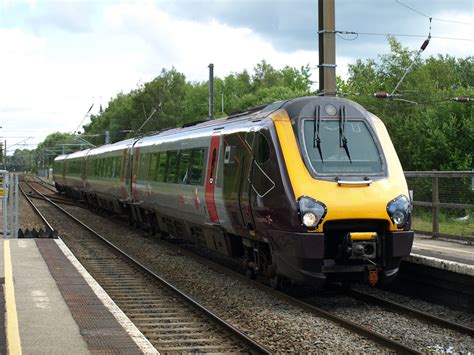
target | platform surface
x=51, y=308
x=443, y=249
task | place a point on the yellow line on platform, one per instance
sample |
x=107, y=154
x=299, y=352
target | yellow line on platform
x=445, y=248
x=13, y=332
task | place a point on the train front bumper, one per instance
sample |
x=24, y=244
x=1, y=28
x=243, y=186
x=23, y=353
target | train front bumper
x=301, y=256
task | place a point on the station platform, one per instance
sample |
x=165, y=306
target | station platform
x=454, y=256
x=53, y=306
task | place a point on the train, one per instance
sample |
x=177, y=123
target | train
x=309, y=189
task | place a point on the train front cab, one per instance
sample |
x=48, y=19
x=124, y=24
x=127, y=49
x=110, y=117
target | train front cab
x=350, y=192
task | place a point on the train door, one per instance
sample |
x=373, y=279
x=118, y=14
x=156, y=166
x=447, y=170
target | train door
x=245, y=189
x=134, y=173
x=126, y=176
x=129, y=171
x=211, y=174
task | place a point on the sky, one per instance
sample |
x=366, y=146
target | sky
x=57, y=58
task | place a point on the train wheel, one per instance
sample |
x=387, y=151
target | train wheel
x=275, y=282
x=250, y=273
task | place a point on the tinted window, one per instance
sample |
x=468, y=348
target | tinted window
x=153, y=166
x=143, y=166
x=263, y=149
x=183, y=166
x=364, y=153
x=197, y=167
x=213, y=165
x=172, y=166
x=163, y=158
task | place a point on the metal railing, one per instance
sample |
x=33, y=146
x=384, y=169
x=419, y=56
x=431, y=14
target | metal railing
x=449, y=197
x=10, y=204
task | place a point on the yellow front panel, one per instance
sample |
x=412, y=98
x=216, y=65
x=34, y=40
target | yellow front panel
x=342, y=202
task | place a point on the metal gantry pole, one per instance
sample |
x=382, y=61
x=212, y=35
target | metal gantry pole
x=327, y=47
x=211, y=91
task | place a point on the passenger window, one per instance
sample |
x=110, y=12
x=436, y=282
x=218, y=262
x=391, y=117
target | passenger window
x=163, y=159
x=153, y=166
x=213, y=166
x=172, y=166
x=197, y=166
x=263, y=153
x=184, y=166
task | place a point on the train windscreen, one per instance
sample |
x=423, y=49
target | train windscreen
x=332, y=150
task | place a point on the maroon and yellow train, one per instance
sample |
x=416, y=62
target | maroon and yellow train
x=306, y=189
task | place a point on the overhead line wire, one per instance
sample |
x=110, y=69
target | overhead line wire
x=398, y=35
x=433, y=18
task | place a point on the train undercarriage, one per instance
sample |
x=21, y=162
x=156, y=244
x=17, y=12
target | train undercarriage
x=307, y=258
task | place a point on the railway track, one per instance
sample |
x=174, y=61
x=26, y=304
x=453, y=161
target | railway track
x=171, y=320
x=397, y=307
x=351, y=325
x=366, y=297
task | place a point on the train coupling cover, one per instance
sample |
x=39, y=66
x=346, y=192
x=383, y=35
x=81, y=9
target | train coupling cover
x=372, y=275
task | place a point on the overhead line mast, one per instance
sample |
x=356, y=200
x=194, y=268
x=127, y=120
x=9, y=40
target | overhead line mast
x=327, y=47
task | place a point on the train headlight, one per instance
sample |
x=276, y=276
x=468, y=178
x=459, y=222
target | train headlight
x=311, y=211
x=399, y=210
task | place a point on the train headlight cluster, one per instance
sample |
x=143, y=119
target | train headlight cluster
x=312, y=212
x=399, y=210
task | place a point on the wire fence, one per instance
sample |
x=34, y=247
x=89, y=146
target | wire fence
x=443, y=203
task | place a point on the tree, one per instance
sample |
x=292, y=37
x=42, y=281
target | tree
x=428, y=131
x=55, y=144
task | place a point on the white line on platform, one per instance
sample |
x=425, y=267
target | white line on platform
x=416, y=244
x=441, y=264
x=124, y=321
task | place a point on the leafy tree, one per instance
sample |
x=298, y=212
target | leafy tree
x=428, y=131
x=55, y=144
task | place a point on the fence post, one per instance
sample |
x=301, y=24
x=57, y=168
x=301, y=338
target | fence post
x=435, y=202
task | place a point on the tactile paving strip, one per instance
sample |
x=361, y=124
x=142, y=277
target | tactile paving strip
x=98, y=327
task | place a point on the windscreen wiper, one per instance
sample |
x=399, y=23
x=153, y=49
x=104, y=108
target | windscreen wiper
x=316, y=138
x=342, y=132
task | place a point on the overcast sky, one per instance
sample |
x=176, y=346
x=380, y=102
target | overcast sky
x=58, y=57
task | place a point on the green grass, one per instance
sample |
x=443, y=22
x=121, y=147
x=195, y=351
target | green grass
x=422, y=221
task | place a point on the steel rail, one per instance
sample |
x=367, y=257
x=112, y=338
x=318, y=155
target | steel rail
x=59, y=200
x=363, y=296
x=352, y=326
x=37, y=211
x=259, y=348
x=44, y=183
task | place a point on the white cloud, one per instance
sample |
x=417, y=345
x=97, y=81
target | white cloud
x=50, y=82
x=190, y=46
x=48, y=79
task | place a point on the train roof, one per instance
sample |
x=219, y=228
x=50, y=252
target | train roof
x=112, y=147
x=201, y=128
x=296, y=108
x=60, y=157
x=79, y=154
